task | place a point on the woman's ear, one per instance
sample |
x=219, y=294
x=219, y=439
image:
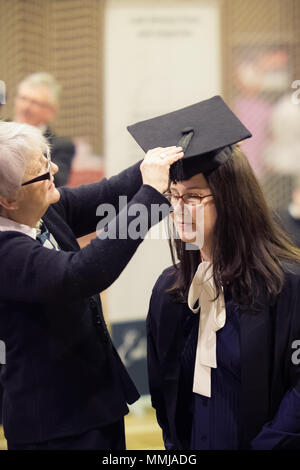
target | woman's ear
x=9, y=204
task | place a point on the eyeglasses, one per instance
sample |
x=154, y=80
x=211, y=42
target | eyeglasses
x=189, y=199
x=45, y=176
x=35, y=103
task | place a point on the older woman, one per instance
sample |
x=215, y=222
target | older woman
x=224, y=322
x=64, y=384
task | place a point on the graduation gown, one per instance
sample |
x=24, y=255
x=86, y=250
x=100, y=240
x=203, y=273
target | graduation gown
x=267, y=341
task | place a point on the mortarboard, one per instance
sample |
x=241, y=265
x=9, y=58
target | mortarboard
x=204, y=130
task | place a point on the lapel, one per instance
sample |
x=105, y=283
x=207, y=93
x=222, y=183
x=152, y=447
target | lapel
x=171, y=338
x=172, y=341
x=255, y=340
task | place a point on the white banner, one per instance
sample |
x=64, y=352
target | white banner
x=158, y=58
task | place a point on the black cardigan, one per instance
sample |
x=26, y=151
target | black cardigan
x=62, y=374
x=266, y=339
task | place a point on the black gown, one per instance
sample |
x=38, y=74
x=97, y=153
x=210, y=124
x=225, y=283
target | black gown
x=269, y=377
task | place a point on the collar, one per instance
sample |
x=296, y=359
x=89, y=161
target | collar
x=8, y=224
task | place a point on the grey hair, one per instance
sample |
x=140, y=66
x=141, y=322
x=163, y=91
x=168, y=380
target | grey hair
x=18, y=142
x=44, y=79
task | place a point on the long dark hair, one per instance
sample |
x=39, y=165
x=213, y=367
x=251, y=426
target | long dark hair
x=249, y=246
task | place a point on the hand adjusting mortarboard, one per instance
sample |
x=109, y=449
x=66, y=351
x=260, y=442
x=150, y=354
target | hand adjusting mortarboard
x=204, y=130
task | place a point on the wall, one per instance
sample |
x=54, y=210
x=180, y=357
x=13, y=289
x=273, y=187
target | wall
x=63, y=37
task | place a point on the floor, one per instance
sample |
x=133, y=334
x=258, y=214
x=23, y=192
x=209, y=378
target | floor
x=2, y=440
x=142, y=432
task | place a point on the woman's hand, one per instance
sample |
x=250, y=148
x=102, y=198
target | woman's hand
x=155, y=167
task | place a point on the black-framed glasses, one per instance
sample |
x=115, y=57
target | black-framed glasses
x=45, y=176
x=188, y=198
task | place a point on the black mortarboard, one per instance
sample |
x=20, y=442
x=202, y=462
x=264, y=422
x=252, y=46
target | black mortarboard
x=204, y=130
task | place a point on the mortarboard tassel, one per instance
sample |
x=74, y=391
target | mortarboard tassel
x=176, y=170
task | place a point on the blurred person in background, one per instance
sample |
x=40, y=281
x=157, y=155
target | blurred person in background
x=290, y=217
x=37, y=103
x=282, y=157
x=64, y=385
x=2, y=101
x=282, y=154
x=223, y=321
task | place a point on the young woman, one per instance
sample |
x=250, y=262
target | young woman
x=232, y=382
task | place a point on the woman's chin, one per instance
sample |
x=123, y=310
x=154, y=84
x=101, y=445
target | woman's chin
x=189, y=239
x=186, y=235
x=54, y=195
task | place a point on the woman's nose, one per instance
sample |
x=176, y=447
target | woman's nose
x=178, y=208
x=179, y=205
x=54, y=168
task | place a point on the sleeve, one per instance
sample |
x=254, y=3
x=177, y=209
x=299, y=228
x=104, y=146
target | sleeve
x=155, y=372
x=78, y=206
x=283, y=431
x=31, y=273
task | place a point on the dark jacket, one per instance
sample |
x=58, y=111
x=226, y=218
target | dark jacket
x=291, y=226
x=62, y=153
x=62, y=374
x=267, y=369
